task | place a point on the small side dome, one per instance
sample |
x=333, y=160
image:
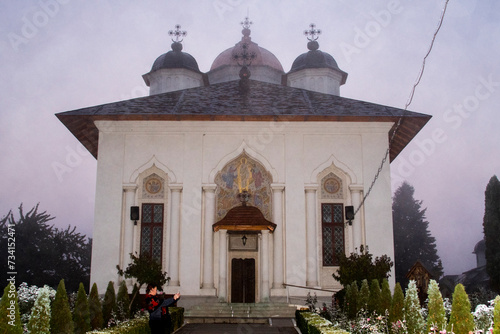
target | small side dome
x=174, y=70
x=175, y=59
x=314, y=59
x=316, y=70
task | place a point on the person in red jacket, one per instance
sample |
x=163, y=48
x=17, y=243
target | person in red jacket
x=159, y=318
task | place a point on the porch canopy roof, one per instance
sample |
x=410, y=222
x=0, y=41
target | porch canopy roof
x=244, y=218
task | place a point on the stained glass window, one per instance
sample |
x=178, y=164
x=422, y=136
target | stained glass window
x=152, y=230
x=332, y=232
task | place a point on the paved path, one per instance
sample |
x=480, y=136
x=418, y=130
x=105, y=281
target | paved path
x=236, y=329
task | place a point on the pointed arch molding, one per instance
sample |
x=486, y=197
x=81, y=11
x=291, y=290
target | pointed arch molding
x=233, y=155
x=333, y=161
x=153, y=162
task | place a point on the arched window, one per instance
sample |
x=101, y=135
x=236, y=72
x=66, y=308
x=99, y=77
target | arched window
x=332, y=219
x=153, y=216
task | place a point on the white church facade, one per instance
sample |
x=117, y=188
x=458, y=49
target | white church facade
x=241, y=176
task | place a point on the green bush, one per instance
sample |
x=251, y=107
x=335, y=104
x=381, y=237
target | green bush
x=397, y=305
x=109, y=305
x=134, y=326
x=177, y=316
x=413, y=313
x=81, y=313
x=122, y=303
x=461, y=319
x=386, y=301
x=95, y=308
x=312, y=323
x=141, y=325
x=61, y=321
x=9, y=311
x=496, y=316
x=436, y=317
x=375, y=299
x=39, y=321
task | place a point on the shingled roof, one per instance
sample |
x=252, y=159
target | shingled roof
x=227, y=102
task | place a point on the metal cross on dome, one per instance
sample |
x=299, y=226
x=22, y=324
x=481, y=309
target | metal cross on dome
x=177, y=33
x=312, y=34
x=246, y=23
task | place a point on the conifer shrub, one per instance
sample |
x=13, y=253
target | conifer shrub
x=39, y=321
x=351, y=300
x=386, y=297
x=81, y=313
x=461, y=318
x=95, y=309
x=10, y=321
x=122, y=302
x=436, y=318
x=135, y=303
x=363, y=296
x=109, y=305
x=412, y=312
x=61, y=321
x=496, y=316
x=397, y=305
x=374, y=300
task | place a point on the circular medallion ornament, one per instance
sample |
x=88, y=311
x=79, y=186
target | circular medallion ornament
x=153, y=186
x=332, y=186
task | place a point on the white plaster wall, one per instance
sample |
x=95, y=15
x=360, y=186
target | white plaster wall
x=172, y=79
x=322, y=80
x=108, y=211
x=193, y=151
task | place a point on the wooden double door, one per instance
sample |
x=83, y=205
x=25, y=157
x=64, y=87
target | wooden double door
x=243, y=281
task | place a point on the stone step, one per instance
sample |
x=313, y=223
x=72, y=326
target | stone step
x=238, y=313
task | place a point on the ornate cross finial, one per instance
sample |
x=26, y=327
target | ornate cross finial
x=177, y=33
x=312, y=34
x=244, y=57
x=246, y=23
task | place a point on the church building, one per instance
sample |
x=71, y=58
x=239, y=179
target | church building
x=238, y=180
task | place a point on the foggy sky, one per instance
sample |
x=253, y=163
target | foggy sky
x=60, y=55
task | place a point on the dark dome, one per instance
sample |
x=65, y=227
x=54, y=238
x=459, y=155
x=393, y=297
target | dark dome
x=314, y=59
x=176, y=59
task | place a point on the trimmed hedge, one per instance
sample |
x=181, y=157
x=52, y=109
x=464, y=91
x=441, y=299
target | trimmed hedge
x=141, y=325
x=312, y=323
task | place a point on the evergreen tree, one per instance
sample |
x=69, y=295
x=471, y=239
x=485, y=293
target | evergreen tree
x=40, y=313
x=347, y=300
x=61, y=321
x=436, y=317
x=95, y=309
x=412, y=312
x=412, y=239
x=496, y=316
x=386, y=298
x=123, y=302
x=374, y=301
x=10, y=320
x=109, y=304
x=355, y=300
x=135, y=304
x=48, y=254
x=363, y=296
x=461, y=318
x=81, y=313
x=397, y=305
x=491, y=228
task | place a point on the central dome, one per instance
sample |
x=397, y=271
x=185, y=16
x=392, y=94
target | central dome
x=263, y=57
x=262, y=64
